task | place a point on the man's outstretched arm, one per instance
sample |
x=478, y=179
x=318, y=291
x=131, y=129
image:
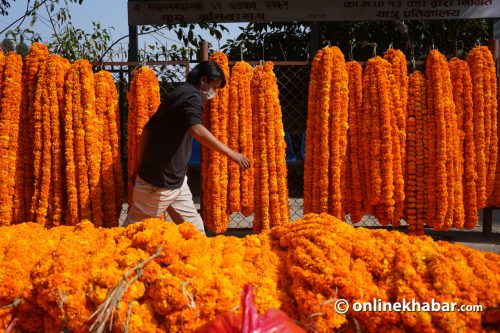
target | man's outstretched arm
x=207, y=139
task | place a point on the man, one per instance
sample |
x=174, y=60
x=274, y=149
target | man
x=161, y=182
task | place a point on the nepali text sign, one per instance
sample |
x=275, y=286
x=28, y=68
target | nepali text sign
x=173, y=11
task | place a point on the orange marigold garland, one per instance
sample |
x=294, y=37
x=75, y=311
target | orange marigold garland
x=324, y=132
x=465, y=189
x=415, y=147
x=234, y=186
x=72, y=215
x=143, y=101
x=495, y=196
x=312, y=105
x=112, y=125
x=399, y=92
x=103, y=96
x=261, y=216
x=246, y=139
x=10, y=107
x=382, y=141
x=57, y=206
x=355, y=164
x=482, y=70
x=436, y=65
x=42, y=152
x=93, y=140
x=339, y=105
x=215, y=204
x=24, y=168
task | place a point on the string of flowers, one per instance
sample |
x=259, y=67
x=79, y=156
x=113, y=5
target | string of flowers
x=438, y=203
x=261, y=217
x=10, y=107
x=41, y=166
x=355, y=161
x=482, y=70
x=24, y=168
x=310, y=186
x=488, y=88
x=246, y=138
x=143, y=101
x=216, y=215
x=206, y=195
x=82, y=172
x=93, y=139
x=57, y=206
x=495, y=196
x=339, y=105
x=234, y=186
x=324, y=143
x=382, y=140
x=451, y=151
x=399, y=92
x=415, y=147
x=103, y=96
x=112, y=126
x=465, y=190
x=71, y=97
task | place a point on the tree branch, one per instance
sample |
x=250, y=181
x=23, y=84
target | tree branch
x=24, y=16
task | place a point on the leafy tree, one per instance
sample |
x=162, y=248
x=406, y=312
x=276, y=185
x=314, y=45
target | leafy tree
x=291, y=41
x=4, y=7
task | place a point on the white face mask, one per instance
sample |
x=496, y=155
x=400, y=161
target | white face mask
x=208, y=95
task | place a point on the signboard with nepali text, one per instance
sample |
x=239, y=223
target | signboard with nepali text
x=141, y=12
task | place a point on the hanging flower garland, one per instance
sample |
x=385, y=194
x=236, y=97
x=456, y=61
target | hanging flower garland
x=415, y=147
x=310, y=185
x=234, y=186
x=72, y=86
x=355, y=164
x=495, y=196
x=261, y=217
x=246, y=138
x=24, y=168
x=10, y=107
x=51, y=205
x=465, y=189
x=482, y=68
x=143, y=101
x=215, y=204
x=339, y=105
x=398, y=78
x=112, y=126
x=380, y=146
x=103, y=96
x=326, y=133
x=437, y=176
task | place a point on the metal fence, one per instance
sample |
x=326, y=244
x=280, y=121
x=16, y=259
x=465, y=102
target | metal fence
x=293, y=84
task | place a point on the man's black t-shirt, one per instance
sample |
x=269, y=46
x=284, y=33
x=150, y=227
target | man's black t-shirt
x=167, y=152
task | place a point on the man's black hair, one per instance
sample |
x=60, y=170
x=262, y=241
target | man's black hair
x=210, y=70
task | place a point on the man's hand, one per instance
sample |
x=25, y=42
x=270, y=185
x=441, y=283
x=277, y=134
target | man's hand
x=240, y=159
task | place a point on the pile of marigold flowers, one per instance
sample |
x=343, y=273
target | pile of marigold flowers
x=245, y=115
x=59, y=130
x=54, y=280
x=420, y=147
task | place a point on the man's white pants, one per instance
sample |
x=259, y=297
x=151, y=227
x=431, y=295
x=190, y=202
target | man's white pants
x=149, y=201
